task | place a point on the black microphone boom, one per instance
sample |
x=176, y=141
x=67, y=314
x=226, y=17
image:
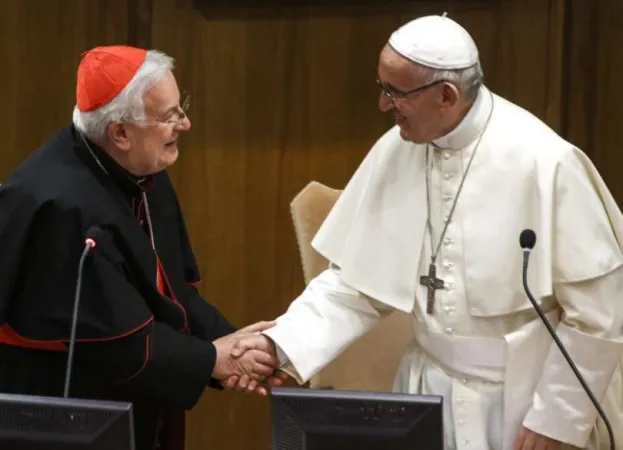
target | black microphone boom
x=527, y=239
x=92, y=235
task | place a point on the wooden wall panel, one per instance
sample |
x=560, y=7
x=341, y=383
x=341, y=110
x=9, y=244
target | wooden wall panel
x=41, y=45
x=283, y=96
x=594, y=93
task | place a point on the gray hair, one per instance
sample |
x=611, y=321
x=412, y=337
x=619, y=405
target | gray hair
x=128, y=105
x=468, y=81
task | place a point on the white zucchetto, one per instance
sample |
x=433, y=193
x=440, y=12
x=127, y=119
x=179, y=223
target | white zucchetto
x=437, y=42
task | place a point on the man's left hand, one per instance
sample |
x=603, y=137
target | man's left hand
x=529, y=440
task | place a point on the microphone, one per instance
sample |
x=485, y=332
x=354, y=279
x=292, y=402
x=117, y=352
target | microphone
x=527, y=240
x=90, y=242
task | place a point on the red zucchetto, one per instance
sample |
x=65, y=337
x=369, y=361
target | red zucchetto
x=104, y=72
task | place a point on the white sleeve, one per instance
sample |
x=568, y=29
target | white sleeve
x=591, y=330
x=320, y=324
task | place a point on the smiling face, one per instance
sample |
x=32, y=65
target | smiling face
x=150, y=146
x=423, y=110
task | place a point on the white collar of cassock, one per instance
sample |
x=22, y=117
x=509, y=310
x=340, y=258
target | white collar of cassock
x=471, y=126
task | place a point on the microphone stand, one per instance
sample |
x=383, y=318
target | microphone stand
x=90, y=243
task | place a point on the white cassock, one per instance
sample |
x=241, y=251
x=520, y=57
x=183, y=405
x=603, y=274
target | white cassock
x=484, y=349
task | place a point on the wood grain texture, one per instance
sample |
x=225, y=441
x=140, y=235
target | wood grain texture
x=287, y=96
x=41, y=45
x=593, y=114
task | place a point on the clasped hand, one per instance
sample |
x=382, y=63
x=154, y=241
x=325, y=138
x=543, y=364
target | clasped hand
x=246, y=360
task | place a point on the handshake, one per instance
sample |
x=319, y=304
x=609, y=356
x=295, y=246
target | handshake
x=247, y=360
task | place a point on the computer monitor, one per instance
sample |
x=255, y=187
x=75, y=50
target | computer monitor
x=324, y=419
x=53, y=423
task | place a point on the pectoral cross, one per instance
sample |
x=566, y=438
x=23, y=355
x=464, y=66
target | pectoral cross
x=432, y=283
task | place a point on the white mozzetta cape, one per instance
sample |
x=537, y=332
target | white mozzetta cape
x=523, y=176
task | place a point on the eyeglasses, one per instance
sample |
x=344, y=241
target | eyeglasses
x=395, y=95
x=177, y=117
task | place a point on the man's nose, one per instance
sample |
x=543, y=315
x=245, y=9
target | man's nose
x=185, y=124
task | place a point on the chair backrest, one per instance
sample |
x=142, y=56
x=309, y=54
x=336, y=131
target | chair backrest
x=371, y=362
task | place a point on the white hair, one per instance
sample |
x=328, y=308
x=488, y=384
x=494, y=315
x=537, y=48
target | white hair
x=468, y=81
x=128, y=104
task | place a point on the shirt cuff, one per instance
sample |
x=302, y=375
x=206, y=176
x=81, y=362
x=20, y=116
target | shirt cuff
x=561, y=409
x=281, y=356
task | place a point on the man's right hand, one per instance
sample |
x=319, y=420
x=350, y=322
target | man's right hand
x=256, y=364
x=246, y=344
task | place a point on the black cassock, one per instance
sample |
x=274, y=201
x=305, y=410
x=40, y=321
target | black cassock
x=136, y=341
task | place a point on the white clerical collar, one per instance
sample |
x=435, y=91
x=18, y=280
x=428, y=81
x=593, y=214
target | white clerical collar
x=471, y=126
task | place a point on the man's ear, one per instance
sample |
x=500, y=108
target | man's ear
x=450, y=95
x=118, y=134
